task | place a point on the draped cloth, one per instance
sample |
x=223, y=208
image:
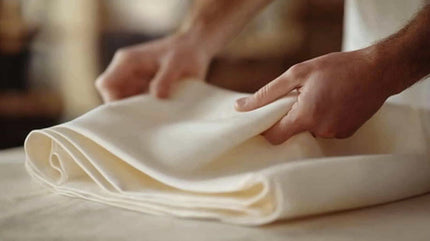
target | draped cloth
x=194, y=156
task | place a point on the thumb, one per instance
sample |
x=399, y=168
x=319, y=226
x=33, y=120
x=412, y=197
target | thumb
x=285, y=128
x=279, y=87
x=162, y=81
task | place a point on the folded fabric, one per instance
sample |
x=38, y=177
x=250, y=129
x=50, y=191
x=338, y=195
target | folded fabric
x=194, y=156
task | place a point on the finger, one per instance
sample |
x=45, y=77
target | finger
x=109, y=97
x=284, y=129
x=107, y=82
x=279, y=87
x=105, y=88
x=114, y=87
x=162, y=81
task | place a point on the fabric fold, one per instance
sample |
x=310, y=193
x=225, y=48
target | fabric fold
x=194, y=156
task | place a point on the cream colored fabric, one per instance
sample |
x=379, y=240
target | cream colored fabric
x=195, y=156
x=30, y=212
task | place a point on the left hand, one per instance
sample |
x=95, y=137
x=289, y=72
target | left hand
x=337, y=93
x=154, y=66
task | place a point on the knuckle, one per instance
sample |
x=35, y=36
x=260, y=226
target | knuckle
x=297, y=70
x=262, y=93
x=104, y=84
x=123, y=54
x=100, y=83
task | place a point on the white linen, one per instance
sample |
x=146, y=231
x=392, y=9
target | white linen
x=30, y=212
x=195, y=156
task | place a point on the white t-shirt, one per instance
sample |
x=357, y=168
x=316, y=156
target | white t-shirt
x=368, y=21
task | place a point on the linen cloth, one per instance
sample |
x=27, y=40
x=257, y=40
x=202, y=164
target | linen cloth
x=31, y=212
x=195, y=156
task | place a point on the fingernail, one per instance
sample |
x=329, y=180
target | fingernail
x=240, y=103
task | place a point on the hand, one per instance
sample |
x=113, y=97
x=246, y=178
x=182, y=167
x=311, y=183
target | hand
x=153, y=66
x=337, y=93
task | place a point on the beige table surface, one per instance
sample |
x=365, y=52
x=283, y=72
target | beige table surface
x=29, y=212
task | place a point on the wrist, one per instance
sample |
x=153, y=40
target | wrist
x=392, y=68
x=201, y=38
x=402, y=62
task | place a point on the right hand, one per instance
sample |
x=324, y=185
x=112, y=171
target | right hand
x=337, y=94
x=153, y=67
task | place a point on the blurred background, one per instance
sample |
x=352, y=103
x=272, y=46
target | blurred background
x=51, y=51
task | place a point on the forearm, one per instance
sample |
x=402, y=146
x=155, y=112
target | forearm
x=215, y=22
x=405, y=56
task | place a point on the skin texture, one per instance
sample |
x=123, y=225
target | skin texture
x=332, y=101
x=152, y=67
x=337, y=92
x=156, y=66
